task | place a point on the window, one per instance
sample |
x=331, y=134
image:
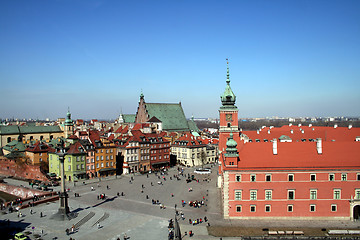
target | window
x=97, y=158
x=291, y=177
x=357, y=193
x=69, y=159
x=331, y=177
x=268, y=194
x=238, y=208
x=107, y=164
x=69, y=167
x=343, y=177
x=312, y=177
x=267, y=208
x=313, y=194
x=102, y=165
x=78, y=167
x=291, y=194
x=238, y=194
x=268, y=178
x=290, y=208
x=312, y=208
x=333, y=207
x=97, y=165
x=253, y=208
x=252, y=177
x=253, y=194
x=358, y=176
x=337, y=193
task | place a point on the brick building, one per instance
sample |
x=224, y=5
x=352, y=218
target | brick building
x=303, y=174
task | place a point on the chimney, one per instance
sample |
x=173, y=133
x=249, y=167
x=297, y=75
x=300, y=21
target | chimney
x=257, y=131
x=310, y=125
x=335, y=126
x=299, y=125
x=291, y=131
x=350, y=126
x=275, y=146
x=268, y=131
x=302, y=131
x=319, y=146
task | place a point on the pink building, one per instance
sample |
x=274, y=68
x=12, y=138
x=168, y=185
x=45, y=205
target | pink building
x=302, y=179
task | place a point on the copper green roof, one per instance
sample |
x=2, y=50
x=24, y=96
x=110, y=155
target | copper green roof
x=228, y=98
x=231, y=150
x=170, y=114
x=15, y=146
x=192, y=125
x=13, y=129
x=128, y=118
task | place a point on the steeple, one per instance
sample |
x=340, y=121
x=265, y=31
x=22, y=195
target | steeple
x=68, y=120
x=231, y=150
x=228, y=98
x=141, y=95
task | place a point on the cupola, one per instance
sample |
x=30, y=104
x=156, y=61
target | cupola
x=231, y=144
x=228, y=98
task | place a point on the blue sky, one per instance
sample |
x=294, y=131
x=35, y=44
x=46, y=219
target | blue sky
x=287, y=58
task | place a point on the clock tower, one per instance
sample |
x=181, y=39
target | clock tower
x=228, y=116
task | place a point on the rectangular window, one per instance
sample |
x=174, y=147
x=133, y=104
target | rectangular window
x=268, y=178
x=102, y=165
x=331, y=177
x=312, y=177
x=107, y=164
x=252, y=177
x=291, y=177
x=102, y=157
x=237, y=194
x=291, y=194
x=69, y=159
x=313, y=194
x=337, y=193
x=253, y=208
x=97, y=158
x=268, y=194
x=69, y=167
x=343, y=177
x=253, y=194
x=312, y=208
x=238, y=208
x=97, y=165
x=333, y=207
x=78, y=167
x=357, y=193
x=267, y=208
x=358, y=176
x=290, y=208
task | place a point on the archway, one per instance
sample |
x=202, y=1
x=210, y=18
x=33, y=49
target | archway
x=356, y=212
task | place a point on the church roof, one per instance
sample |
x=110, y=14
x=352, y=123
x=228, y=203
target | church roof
x=13, y=129
x=129, y=118
x=170, y=114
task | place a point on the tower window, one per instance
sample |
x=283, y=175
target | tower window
x=228, y=124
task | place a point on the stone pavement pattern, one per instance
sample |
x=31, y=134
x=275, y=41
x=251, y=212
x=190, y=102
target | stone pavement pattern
x=136, y=216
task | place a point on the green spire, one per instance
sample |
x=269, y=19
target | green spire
x=228, y=98
x=227, y=75
x=231, y=144
x=68, y=120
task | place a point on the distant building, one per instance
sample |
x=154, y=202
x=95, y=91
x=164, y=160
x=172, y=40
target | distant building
x=171, y=115
x=28, y=133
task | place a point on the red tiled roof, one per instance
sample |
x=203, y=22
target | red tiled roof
x=74, y=148
x=39, y=147
x=297, y=133
x=299, y=155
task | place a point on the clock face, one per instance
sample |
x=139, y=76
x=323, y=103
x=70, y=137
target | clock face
x=228, y=117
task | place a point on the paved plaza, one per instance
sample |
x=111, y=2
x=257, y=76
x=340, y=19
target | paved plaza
x=135, y=215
